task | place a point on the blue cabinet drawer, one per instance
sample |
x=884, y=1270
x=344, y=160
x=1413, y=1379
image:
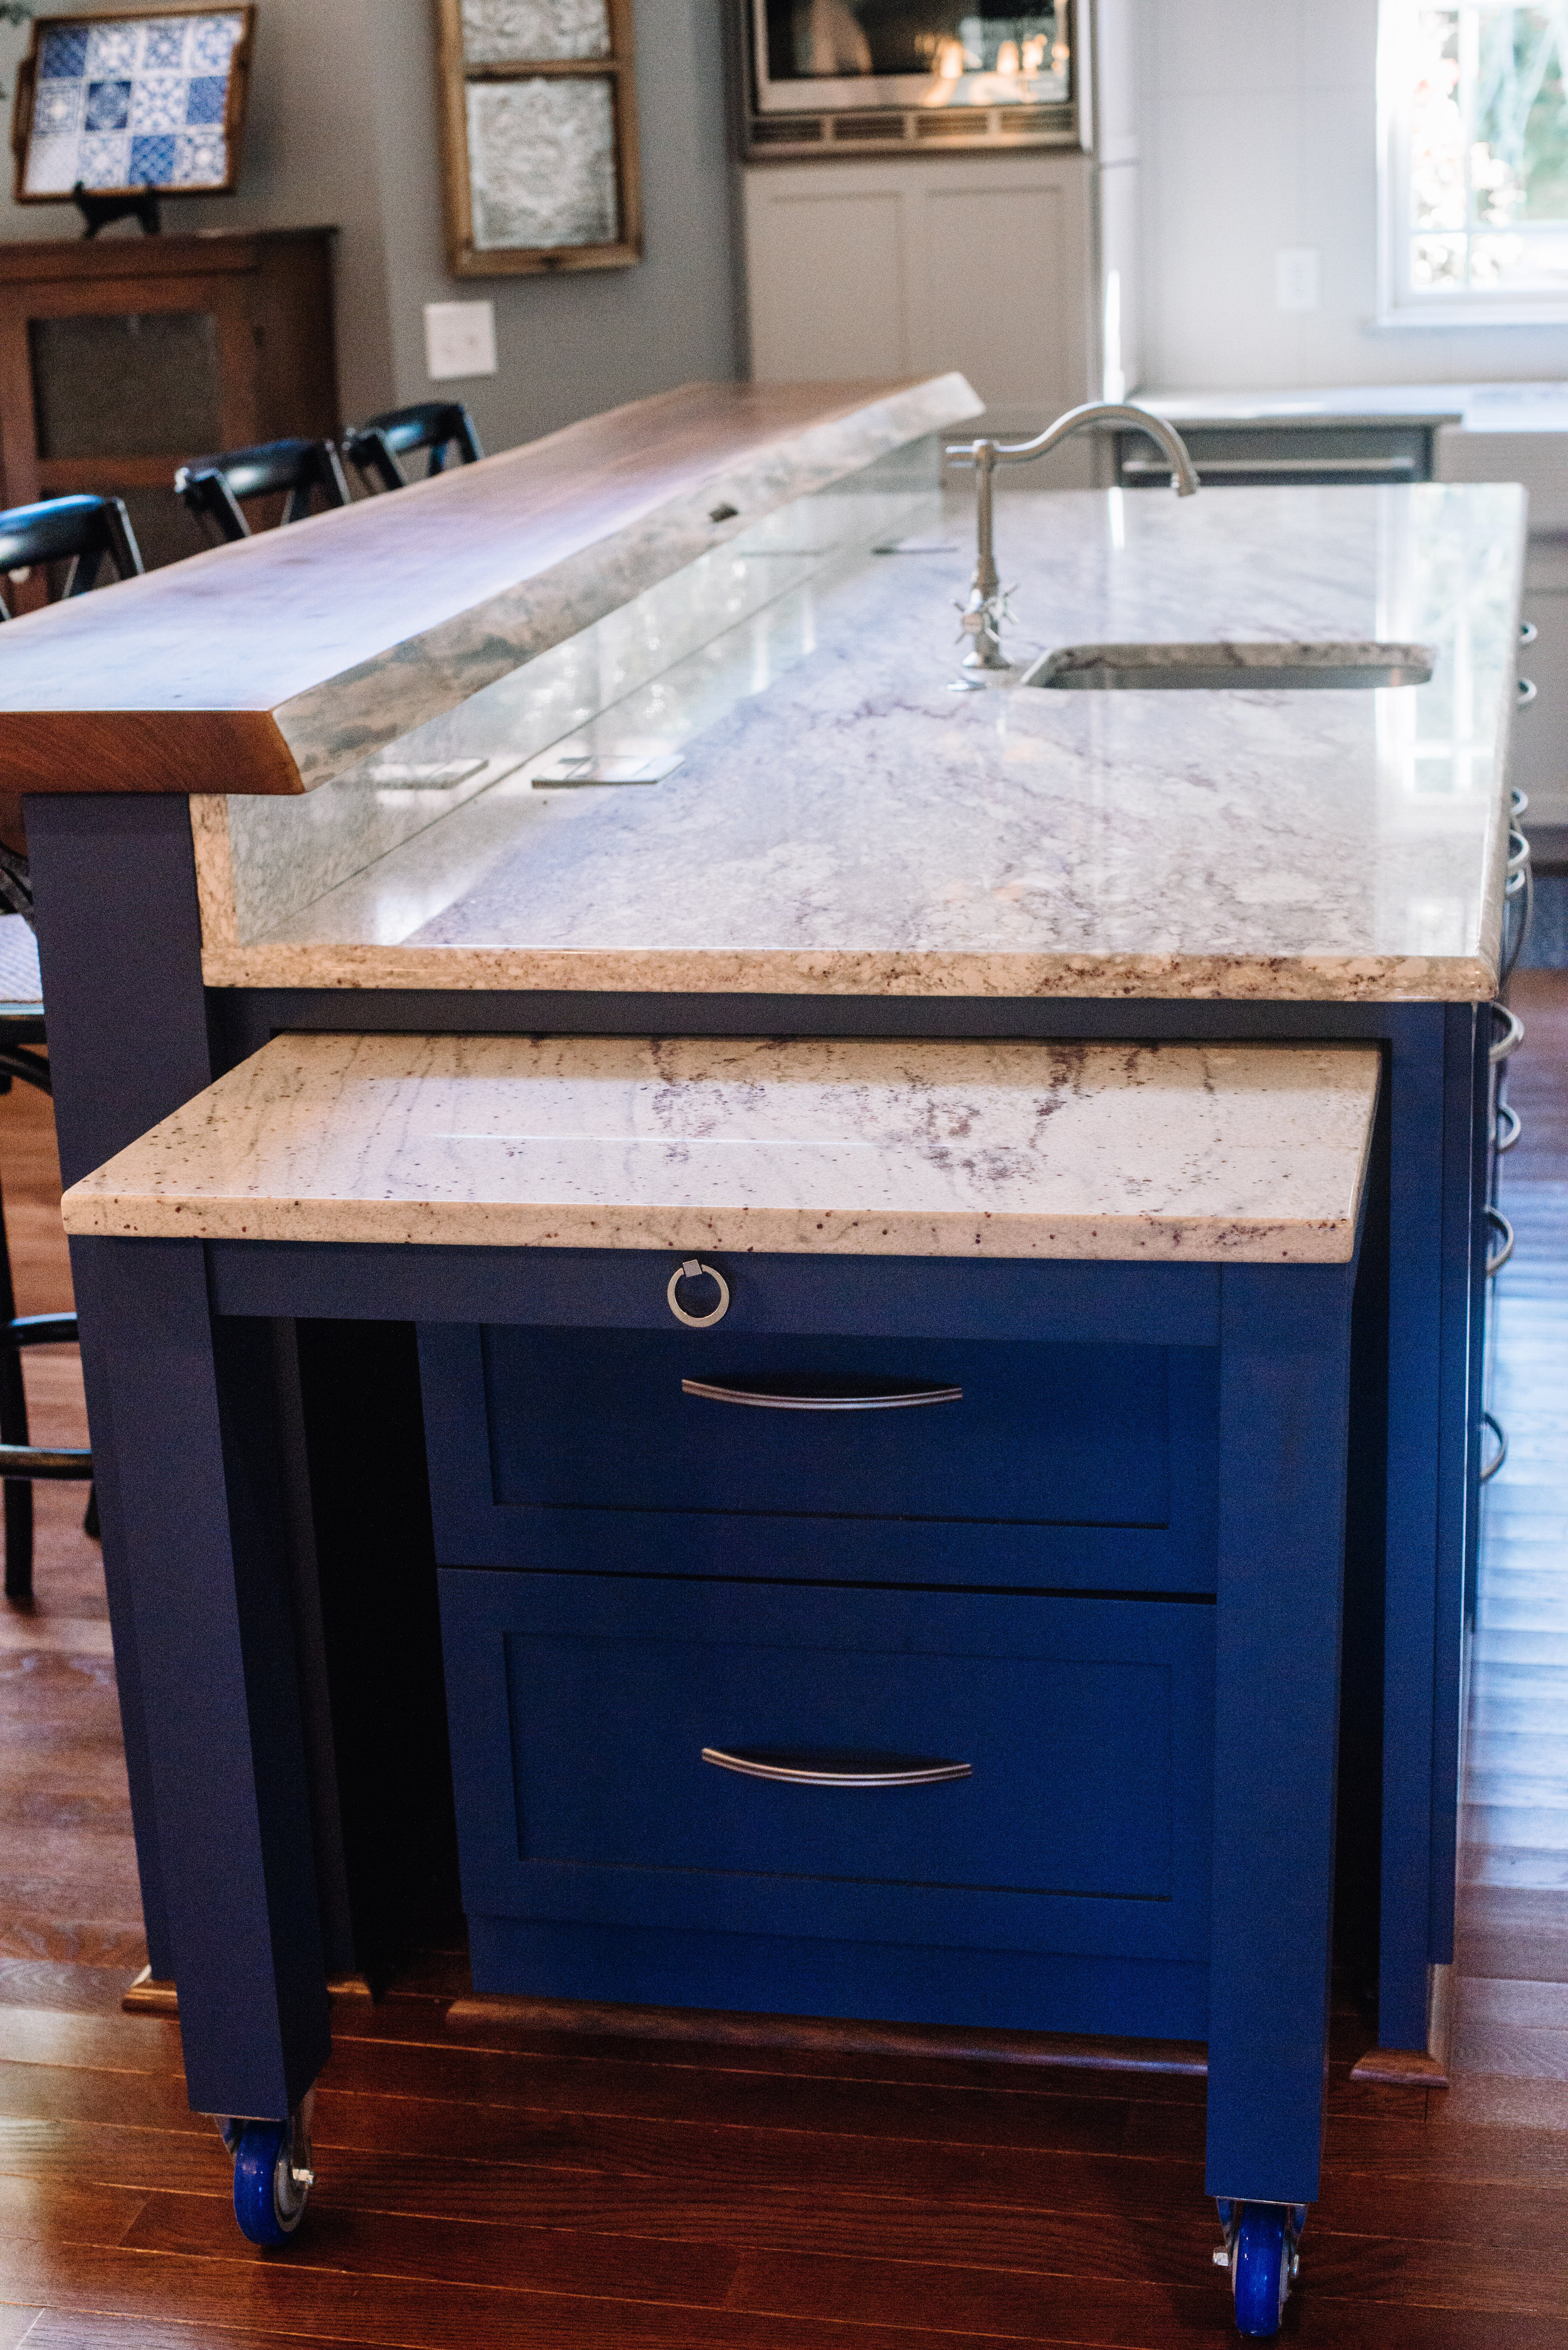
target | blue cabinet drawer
x=582, y=1708
x=641, y=1449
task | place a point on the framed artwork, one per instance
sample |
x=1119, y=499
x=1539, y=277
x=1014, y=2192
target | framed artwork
x=142, y=100
x=539, y=135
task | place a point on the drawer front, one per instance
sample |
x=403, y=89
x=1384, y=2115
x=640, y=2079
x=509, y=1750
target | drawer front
x=561, y=1449
x=582, y=1709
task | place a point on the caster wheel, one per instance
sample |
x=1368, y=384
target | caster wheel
x=269, y=2201
x=1262, y=2264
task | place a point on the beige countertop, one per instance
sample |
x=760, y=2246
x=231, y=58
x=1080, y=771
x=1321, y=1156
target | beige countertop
x=1170, y=1153
x=841, y=822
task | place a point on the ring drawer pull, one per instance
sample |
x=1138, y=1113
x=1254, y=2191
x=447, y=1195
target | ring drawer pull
x=694, y=1270
x=1504, y=1136
x=1518, y=802
x=1528, y=632
x=1527, y=690
x=1518, y=849
x=1512, y=1036
x=808, y=1770
x=772, y=1402
x=1490, y=1419
x=1499, y=1257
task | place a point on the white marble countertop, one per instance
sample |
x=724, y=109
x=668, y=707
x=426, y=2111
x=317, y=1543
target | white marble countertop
x=1250, y=1154
x=844, y=823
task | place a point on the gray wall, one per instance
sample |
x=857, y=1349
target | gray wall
x=343, y=129
x=1260, y=132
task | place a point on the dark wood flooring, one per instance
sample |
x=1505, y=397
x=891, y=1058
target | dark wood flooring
x=549, y=2192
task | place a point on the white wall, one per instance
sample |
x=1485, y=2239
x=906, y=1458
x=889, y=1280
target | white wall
x=1260, y=132
x=343, y=130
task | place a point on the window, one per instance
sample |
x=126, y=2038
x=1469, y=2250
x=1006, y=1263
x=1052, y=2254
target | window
x=1474, y=103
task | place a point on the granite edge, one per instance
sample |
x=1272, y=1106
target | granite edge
x=92, y=1209
x=1358, y=979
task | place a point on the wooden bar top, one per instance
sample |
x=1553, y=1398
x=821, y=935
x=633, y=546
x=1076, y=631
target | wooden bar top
x=275, y=665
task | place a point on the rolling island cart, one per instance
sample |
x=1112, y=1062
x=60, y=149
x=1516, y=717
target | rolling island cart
x=891, y=1506
x=646, y=734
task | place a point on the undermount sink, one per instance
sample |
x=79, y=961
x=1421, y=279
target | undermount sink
x=1261, y=665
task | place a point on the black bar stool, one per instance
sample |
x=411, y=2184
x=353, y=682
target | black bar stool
x=441, y=426
x=216, y=488
x=20, y=1460
x=85, y=532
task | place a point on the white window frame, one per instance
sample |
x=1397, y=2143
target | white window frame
x=1399, y=303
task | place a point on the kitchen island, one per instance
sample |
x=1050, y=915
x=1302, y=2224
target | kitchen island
x=846, y=847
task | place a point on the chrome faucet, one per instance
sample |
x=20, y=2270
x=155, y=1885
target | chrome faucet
x=985, y=611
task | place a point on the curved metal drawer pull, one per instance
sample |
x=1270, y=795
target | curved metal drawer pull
x=1528, y=632
x=1512, y=1036
x=1518, y=849
x=1490, y=1419
x=1518, y=802
x=1500, y=1223
x=1527, y=690
x=772, y=1402
x=807, y=1770
x=1504, y=1138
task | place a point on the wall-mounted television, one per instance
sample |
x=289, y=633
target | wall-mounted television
x=827, y=74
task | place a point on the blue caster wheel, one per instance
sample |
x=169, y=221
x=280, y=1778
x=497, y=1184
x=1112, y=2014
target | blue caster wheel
x=1260, y=2252
x=270, y=2188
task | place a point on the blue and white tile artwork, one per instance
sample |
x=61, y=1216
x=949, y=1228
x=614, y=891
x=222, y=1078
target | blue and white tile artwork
x=128, y=105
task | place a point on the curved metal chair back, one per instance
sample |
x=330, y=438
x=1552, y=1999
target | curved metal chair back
x=444, y=427
x=215, y=489
x=85, y=532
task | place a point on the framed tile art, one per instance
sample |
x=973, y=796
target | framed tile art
x=143, y=98
x=539, y=135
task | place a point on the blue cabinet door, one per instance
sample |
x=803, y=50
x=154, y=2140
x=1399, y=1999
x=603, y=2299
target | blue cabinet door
x=597, y=1842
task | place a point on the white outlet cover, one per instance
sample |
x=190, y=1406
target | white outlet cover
x=1297, y=277
x=460, y=339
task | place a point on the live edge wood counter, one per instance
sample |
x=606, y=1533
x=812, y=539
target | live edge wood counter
x=271, y=666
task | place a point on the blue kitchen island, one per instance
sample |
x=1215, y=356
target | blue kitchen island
x=676, y=755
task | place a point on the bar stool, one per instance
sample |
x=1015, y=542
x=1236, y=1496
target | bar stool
x=441, y=426
x=85, y=532
x=216, y=488
x=20, y=1460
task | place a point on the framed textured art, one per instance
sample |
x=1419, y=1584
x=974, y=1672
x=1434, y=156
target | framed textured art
x=539, y=135
x=142, y=100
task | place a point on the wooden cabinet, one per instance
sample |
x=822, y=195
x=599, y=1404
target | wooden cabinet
x=119, y=360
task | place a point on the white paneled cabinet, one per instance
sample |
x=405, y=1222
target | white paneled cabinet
x=984, y=263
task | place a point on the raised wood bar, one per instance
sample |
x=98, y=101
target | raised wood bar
x=271, y=666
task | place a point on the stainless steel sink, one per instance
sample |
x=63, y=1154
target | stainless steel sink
x=1258, y=665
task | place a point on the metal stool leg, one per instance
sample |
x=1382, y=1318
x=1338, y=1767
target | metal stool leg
x=19, y=1508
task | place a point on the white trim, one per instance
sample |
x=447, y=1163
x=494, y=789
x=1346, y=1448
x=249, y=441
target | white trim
x=1399, y=305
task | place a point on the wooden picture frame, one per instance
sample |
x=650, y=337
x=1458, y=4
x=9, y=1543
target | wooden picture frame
x=159, y=133
x=475, y=221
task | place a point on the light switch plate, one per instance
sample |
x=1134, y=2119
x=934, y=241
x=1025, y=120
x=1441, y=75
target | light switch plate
x=460, y=339
x=1297, y=277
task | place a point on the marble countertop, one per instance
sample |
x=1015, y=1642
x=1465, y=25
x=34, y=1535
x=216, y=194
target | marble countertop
x=1522, y=407
x=843, y=823
x=1251, y=1154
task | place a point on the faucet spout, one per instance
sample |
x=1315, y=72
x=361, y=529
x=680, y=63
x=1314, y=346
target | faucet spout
x=983, y=612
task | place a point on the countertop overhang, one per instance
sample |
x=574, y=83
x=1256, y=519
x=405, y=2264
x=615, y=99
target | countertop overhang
x=271, y=666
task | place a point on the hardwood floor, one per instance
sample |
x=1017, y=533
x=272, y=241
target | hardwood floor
x=549, y=2192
